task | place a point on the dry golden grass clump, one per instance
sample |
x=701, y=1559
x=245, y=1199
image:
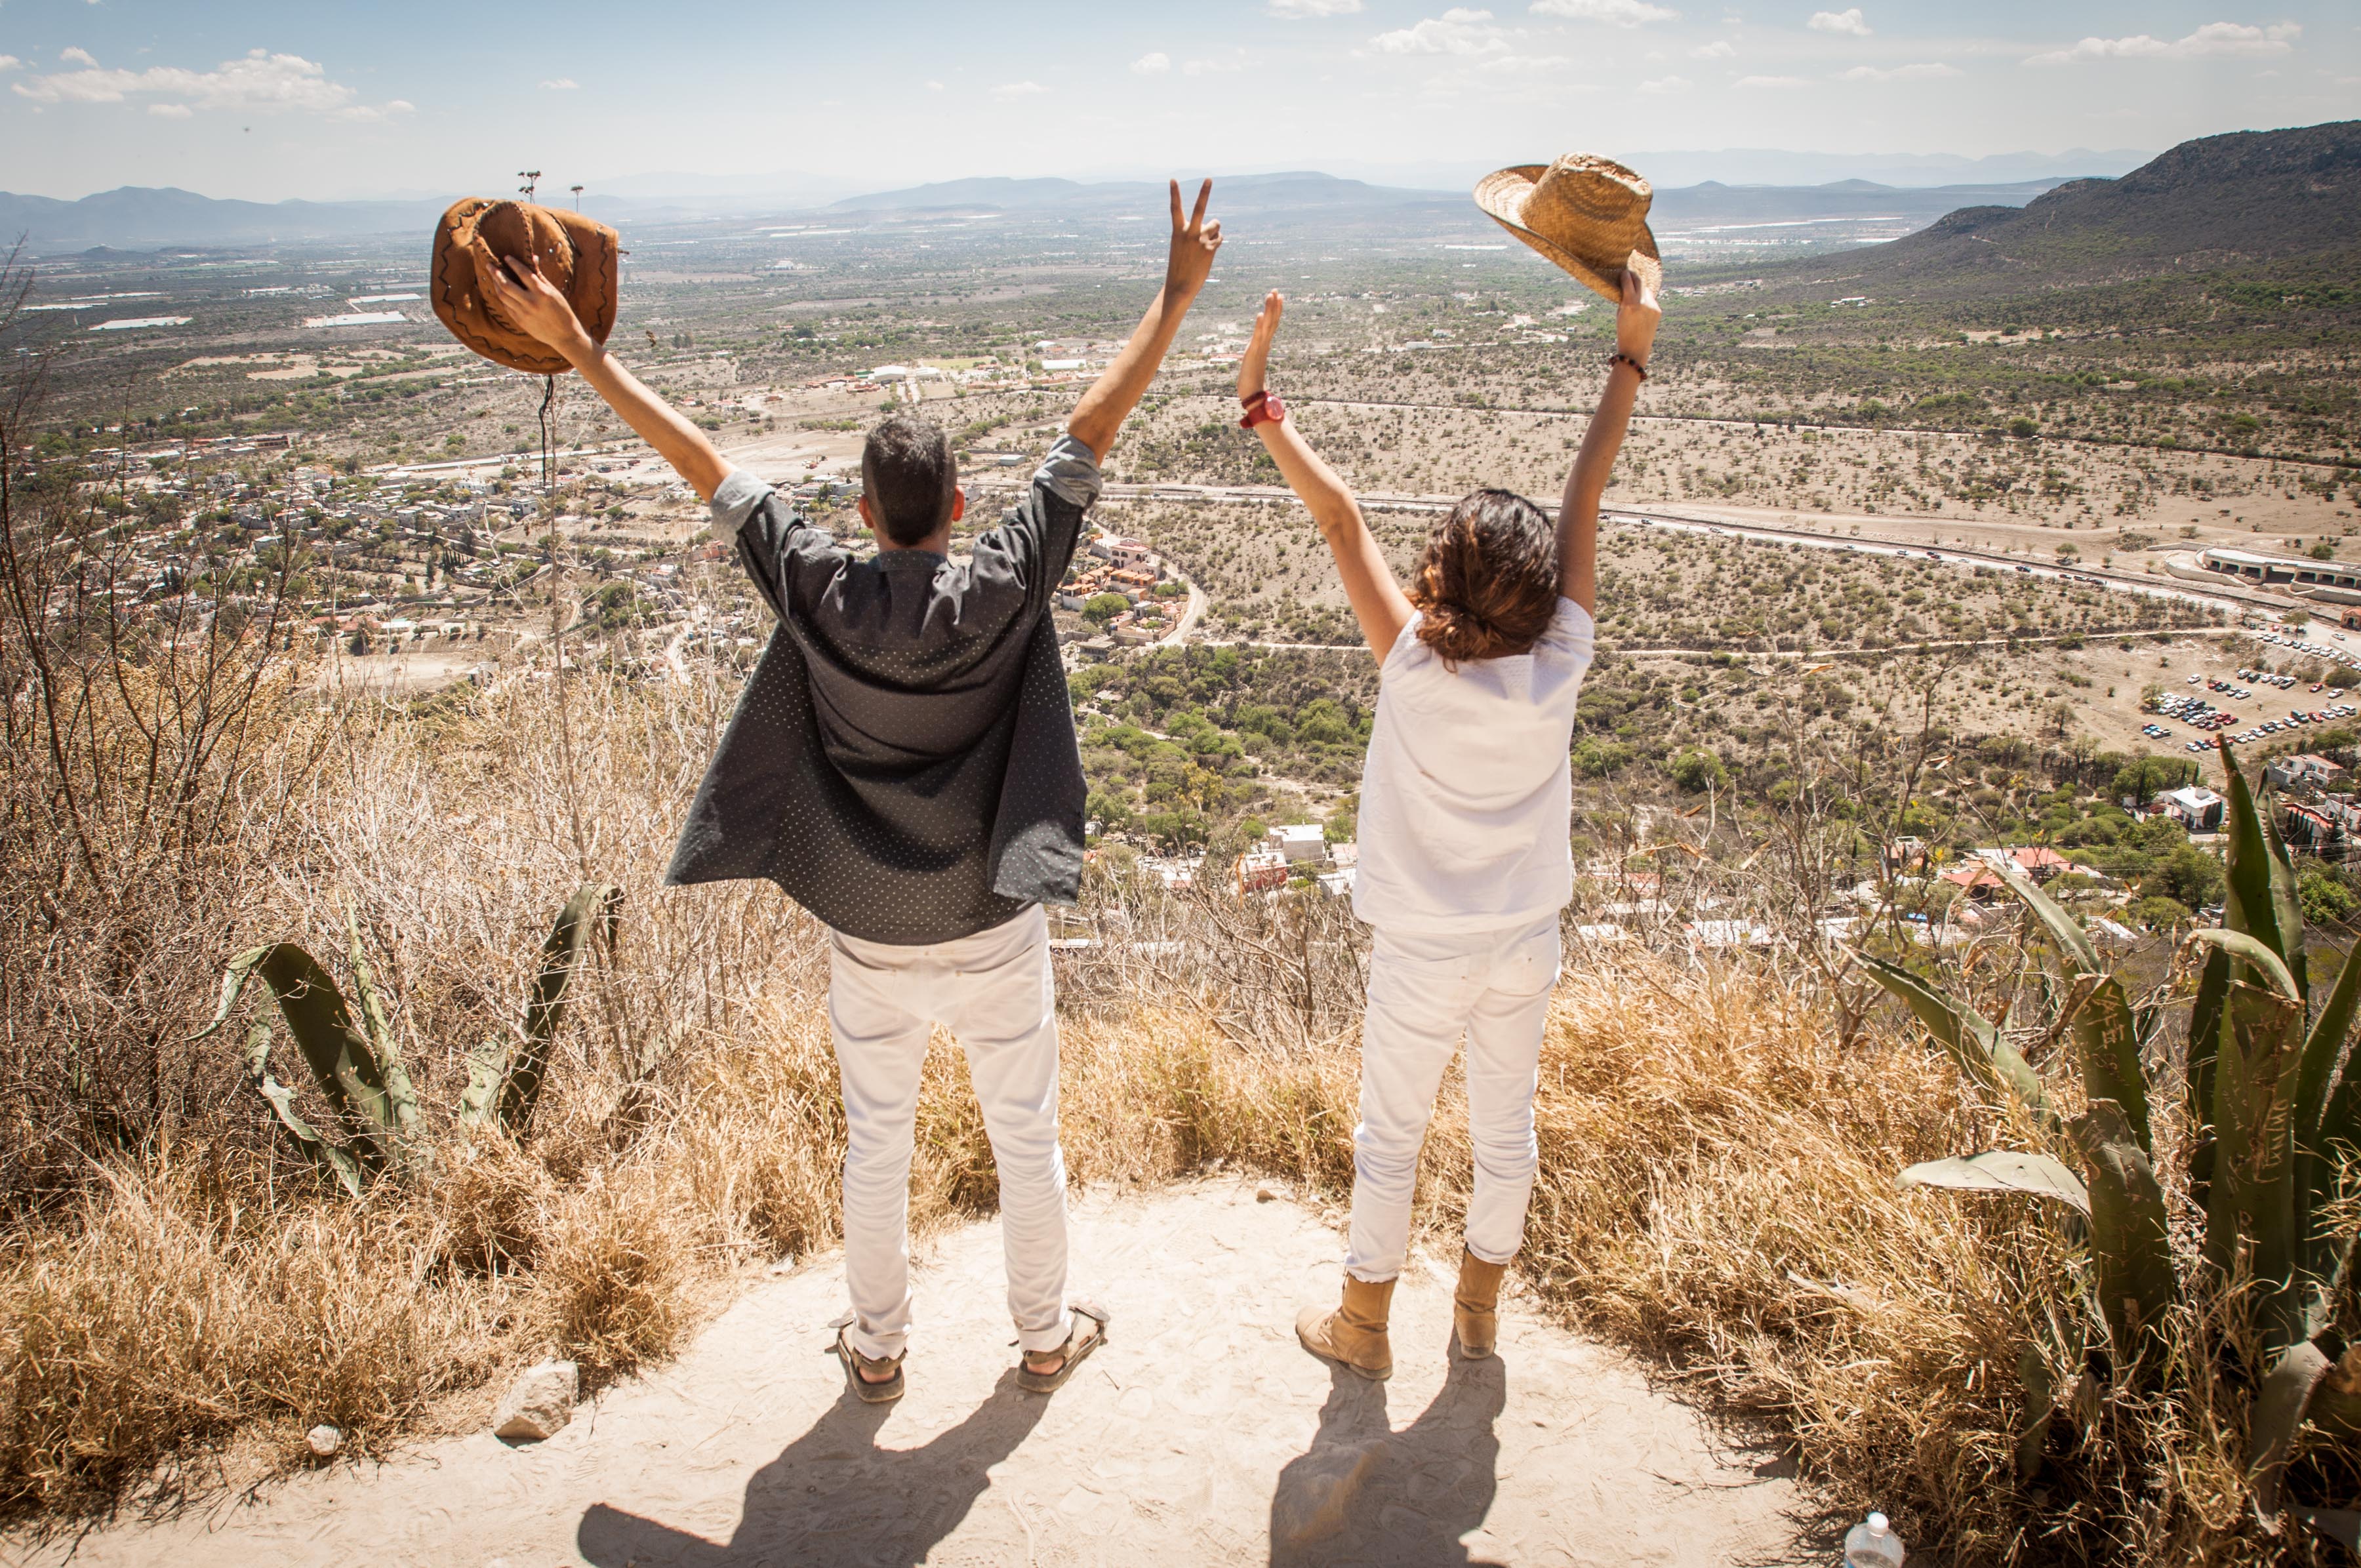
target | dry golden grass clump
x=182, y=1295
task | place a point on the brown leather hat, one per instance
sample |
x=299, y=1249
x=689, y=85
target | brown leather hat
x=1587, y=214
x=576, y=253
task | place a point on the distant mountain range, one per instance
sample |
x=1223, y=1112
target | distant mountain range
x=141, y=217
x=135, y=218
x=2258, y=194
x=1714, y=206
x=1240, y=193
x=2252, y=196
x=1901, y=170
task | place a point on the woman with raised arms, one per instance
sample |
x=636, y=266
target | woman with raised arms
x=1464, y=863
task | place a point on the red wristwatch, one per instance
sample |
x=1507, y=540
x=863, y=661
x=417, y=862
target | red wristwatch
x=1262, y=407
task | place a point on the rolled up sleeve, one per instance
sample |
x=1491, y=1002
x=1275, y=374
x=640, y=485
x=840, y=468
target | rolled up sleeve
x=1070, y=473
x=735, y=500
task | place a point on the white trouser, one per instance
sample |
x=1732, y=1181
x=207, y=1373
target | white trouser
x=1424, y=992
x=993, y=991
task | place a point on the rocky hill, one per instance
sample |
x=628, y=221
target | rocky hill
x=2248, y=197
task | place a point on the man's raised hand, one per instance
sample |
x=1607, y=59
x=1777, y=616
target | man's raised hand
x=1254, y=366
x=536, y=308
x=1194, y=244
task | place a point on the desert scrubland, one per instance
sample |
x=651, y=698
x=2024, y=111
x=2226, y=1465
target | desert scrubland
x=300, y=648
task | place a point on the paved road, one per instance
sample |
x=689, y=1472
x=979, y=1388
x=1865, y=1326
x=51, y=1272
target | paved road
x=1811, y=652
x=2230, y=601
x=1782, y=426
x=1189, y=617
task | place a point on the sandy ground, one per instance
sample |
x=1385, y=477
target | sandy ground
x=1202, y=1433
x=410, y=672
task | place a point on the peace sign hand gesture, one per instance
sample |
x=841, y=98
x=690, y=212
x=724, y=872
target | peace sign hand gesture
x=1194, y=244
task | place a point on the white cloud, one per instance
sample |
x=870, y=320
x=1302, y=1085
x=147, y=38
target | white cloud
x=1457, y=31
x=2231, y=38
x=933, y=86
x=1720, y=48
x=1923, y=73
x=1155, y=62
x=1296, y=10
x=1663, y=85
x=1213, y=67
x=370, y=113
x=2137, y=47
x=261, y=82
x=9, y=62
x=1018, y=90
x=561, y=84
x=1770, y=81
x=170, y=111
x=2213, y=38
x=1619, y=13
x=1840, y=22
x=76, y=57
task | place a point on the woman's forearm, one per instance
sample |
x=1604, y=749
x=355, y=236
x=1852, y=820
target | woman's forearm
x=1315, y=483
x=1379, y=603
x=1578, y=516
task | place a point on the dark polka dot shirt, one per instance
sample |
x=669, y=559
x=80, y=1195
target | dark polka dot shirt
x=902, y=761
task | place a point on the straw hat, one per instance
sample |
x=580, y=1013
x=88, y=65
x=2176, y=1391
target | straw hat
x=572, y=251
x=1587, y=214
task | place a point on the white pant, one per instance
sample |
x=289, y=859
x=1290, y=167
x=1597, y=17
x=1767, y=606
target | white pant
x=993, y=991
x=1423, y=991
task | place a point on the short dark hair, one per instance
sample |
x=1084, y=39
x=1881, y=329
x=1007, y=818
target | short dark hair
x=1488, y=582
x=909, y=475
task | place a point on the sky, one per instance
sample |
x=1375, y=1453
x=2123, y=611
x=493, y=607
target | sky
x=269, y=99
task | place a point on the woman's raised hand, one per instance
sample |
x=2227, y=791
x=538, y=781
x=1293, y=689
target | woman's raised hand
x=1636, y=317
x=1255, y=363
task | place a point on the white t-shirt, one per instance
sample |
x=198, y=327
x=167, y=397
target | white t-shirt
x=1467, y=796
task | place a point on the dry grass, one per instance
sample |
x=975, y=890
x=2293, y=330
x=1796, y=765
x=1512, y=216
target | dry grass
x=1717, y=1187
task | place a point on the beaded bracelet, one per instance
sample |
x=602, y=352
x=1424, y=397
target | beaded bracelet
x=1619, y=357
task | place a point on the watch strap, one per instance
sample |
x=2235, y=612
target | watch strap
x=1262, y=407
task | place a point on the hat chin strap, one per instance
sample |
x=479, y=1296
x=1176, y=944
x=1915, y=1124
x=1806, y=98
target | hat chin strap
x=548, y=397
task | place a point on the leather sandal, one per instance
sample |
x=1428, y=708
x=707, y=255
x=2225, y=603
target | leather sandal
x=855, y=1364
x=1088, y=1333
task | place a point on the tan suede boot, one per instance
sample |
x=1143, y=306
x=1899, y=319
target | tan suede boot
x=1355, y=1334
x=1475, y=1305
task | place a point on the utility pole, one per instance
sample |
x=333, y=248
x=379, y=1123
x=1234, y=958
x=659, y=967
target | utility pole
x=532, y=178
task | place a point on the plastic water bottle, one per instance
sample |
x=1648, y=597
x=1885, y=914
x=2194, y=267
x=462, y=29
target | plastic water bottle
x=1873, y=1544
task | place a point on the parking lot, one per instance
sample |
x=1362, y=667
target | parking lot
x=2251, y=704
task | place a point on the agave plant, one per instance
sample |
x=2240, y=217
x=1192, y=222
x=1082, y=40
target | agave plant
x=2273, y=1108
x=357, y=1065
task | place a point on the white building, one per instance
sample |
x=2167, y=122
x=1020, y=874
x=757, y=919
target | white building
x=1298, y=842
x=2303, y=769
x=2199, y=809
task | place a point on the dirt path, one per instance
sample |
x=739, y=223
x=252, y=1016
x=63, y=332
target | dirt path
x=1201, y=1434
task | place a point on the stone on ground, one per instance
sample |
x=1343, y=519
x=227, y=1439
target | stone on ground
x=539, y=1404
x=1200, y=1435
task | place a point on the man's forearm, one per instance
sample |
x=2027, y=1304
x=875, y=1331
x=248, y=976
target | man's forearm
x=1578, y=517
x=659, y=424
x=1100, y=415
